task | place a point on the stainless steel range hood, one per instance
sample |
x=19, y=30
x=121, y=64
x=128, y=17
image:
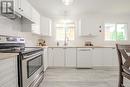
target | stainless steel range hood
x=7, y=10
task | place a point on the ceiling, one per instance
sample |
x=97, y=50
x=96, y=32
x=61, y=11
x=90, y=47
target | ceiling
x=55, y=8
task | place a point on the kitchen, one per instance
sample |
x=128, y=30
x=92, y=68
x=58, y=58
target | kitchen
x=72, y=42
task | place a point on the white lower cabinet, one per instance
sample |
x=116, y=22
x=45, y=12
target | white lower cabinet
x=110, y=57
x=62, y=57
x=97, y=56
x=105, y=57
x=50, y=57
x=115, y=58
x=84, y=58
x=45, y=60
x=58, y=55
x=70, y=57
x=8, y=72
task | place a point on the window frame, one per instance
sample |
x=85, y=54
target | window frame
x=116, y=32
x=58, y=22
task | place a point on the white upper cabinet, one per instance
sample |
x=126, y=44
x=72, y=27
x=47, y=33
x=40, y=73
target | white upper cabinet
x=46, y=24
x=17, y=6
x=86, y=27
x=24, y=8
x=83, y=27
x=36, y=20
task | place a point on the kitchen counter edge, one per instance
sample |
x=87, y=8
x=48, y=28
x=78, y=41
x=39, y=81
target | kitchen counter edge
x=7, y=55
x=81, y=47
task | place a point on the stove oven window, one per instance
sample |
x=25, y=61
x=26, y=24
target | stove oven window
x=34, y=64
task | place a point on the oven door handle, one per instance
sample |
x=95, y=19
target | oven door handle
x=32, y=56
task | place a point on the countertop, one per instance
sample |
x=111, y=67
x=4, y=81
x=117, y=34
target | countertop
x=7, y=55
x=43, y=46
x=78, y=47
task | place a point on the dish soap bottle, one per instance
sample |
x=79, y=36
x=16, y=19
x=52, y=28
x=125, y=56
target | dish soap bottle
x=58, y=44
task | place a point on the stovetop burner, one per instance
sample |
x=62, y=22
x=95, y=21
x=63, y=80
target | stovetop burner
x=30, y=49
x=20, y=50
x=11, y=44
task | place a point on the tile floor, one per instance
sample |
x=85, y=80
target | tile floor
x=63, y=77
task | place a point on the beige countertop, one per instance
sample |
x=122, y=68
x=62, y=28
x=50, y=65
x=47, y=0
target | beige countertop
x=7, y=55
x=43, y=46
x=80, y=47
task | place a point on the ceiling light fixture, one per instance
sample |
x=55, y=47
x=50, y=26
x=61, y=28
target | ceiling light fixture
x=68, y=2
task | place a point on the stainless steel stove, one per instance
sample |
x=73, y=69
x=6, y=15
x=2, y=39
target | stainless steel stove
x=30, y=60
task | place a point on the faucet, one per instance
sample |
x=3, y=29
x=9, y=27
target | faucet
x=66, y=41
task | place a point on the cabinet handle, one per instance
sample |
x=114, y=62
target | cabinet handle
x=86, y=50
x=20, y=9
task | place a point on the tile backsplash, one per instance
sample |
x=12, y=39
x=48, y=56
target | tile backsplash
x=14, y=28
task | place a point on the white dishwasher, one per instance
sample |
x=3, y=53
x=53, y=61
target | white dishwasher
x=84, y=57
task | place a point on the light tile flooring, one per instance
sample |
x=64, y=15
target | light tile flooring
x=62, y=77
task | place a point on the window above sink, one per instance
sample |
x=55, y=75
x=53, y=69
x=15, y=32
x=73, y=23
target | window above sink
x=65, y=30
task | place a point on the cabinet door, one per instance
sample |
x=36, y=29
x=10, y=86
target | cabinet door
x=50, y=57
x=83, y=31
x=8, y=72
x=70, y=57
x=107, y=56
x=115, y=57
x=36, y=20
x=110, y=57
x=58, y=54
x=17, y=5
x=26, y=9
x=46, y=24
x=45, y=60
x=84, y=58
x=97, y=56
x=88, y=26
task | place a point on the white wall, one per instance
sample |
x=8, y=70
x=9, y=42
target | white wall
x=13, y=28
x=94, y=21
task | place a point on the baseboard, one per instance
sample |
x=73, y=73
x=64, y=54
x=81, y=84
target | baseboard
x=94, y=67
x=53, y=67
x=106, y=67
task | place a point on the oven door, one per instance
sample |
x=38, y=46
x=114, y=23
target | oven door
x=32, y=66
